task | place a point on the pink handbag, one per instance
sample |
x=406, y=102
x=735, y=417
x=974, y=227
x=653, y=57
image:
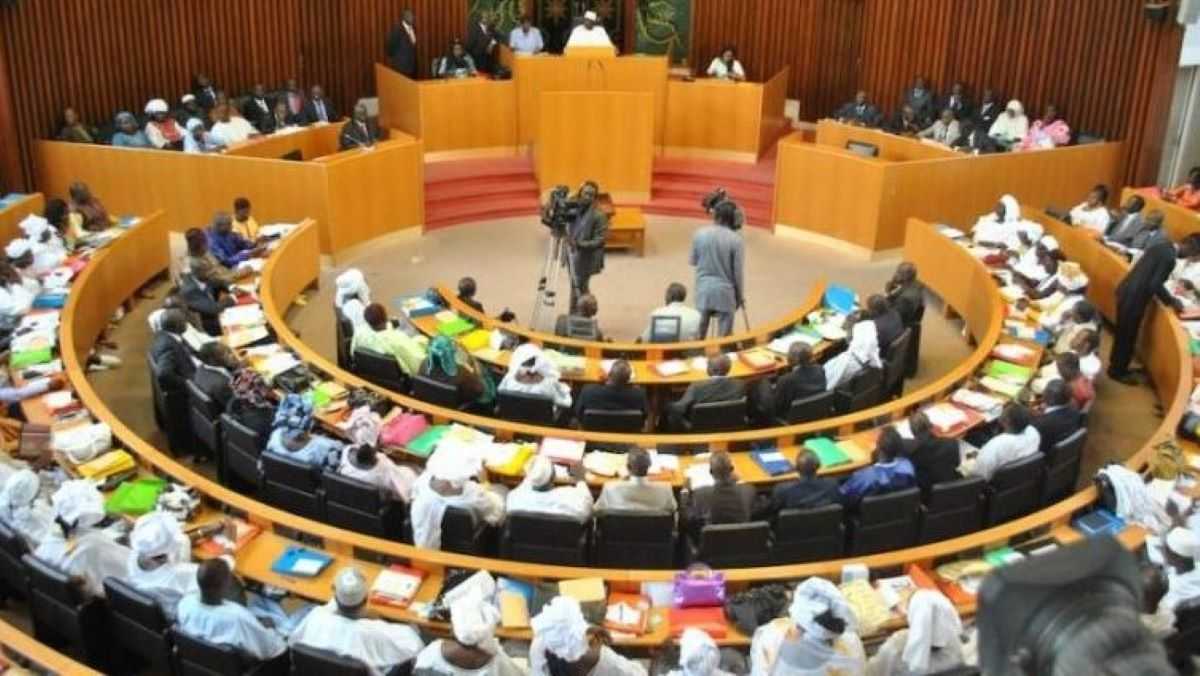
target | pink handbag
x=699, y=586
x=402, y=429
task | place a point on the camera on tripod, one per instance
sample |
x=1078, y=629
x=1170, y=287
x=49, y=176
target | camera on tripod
x=560, y=210
x=716, y=198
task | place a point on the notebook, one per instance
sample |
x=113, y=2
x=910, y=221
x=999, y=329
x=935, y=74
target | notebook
x=1099, y=522
x=708, y=620
x=999, y=386
x=455, y=327
x=627, y=613
x=218, y=544
x=301, y=562
x=757, y=359
x=515, y=598
x=396, y=586
x=566, y=451
x=135, y=497
x=428, y=440
x=1010, y=372
x=772, y=462
x=827, y=451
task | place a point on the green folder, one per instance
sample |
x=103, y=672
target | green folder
x=1195, y=346
x=827, y=451
x=428, y=440
x=1010, y=372
x=455, y=327
x=318, y=398
x=135, y=497
x=19, y=360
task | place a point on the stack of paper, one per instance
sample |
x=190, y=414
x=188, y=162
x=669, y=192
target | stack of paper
x=216, y=545
x=1013, y=352
x=107, y=465
x=757, y=359
x=977, y=400
x=242, y=337
x=663, y=464
x=1008, y=389
x=868, y=605
x=698, y=476
x=280, y=362
x=945, y=417
x=396, y=586
x=276, y=229
x=567, y=363
x=627, y=614
x=783, y=343
x=605, y=464
x=669, y=369
x=564, y=451
x=243, y=315
x=508, y=459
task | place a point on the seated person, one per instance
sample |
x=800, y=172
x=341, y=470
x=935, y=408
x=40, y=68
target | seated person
x=1082, y=392
x=891, y=471
x=450, y=480
x=256, y=108
x=162, y=130
x=1188, y=194
x=127, y=134
x=614, y=394
x=48, y=249
x=920, y=99
x=1045, y=133
x=536, y=494
x=227, y=246
x=205, y=300
x=934, y=459
x=87, y=209
x=318, y=109
x=564, y=643
x=230, y=129
x=1079, y=316
x=244, y=225
x=974, y=139
x=689, y=317
x=1092, y=214
x=1011, y=126
x=214, y=375
x=359, y=131
x=860, y=112
x=957, y=102
x=888, y=322
x=726, y=66
x=378, y=335
x=169, y=352
x=818, y=636
x=189, y=109
x=449, y=364
x=582, y=322
x=1017, y=440
x=726, y=501
x=471, y=647
x=73, y=129
x=457, y=64
x=1150, y=234
x=590, y=33
x=1158, y=619
x=466, y=293
x=637, y=493
x=58, y=215
x=252, y=404
x=808, y=491
x=203, y=265
x=198, y=139
x=526, y=38
x=78, y=547
x=932, y=643
x=342, y=626
x=1086, y=344
x=999, y=229
x=530, y=371
x=945, y=130
x=906, y=293
x=207, y=615
x=366, y=463
x=861, y=354
x=292, y=435
x=1058, y=419
x=1127, y=221
x=718, y=388
x=24, y=510
x=905, y=122
x=1181, y=554
x=281, y=117
x=804, y=378
x=352, y=296
x=161, y=561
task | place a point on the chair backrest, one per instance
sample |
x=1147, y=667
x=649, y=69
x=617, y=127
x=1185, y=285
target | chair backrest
x=307, y=660
x=885, y=522
x=359, y=506
x=582, y=328
x=1062, y=467
x=802, y=535
x=435, y=392
x=635, y=540
x=864, y=390
x=526, y=408
x=345, y=333
x=462, y=532
x=139, y=623
x=13, y=575
x=545, y=538
x=57, y=604
x=1186, y=639
x=197, y=657
x=350, y=492
x=813, y=407
x=630, y=421
x=1068, y=450
x=665, y=329
x=719, y=416
x=953, y=508
x=204, y=415
x=1015, y=490
x=201, y=402
x=730, y=545
x=292, y=485
x=242, y=448
x=895, y=364
x=380, y=369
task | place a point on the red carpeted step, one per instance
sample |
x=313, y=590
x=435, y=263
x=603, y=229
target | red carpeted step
x=759, y=216
x=459, y=170
x=763, y=172
x=482, y=209
x=490, y=185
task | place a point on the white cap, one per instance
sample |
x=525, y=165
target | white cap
x=350, y=587
x=473, y=620
x=450, y=466
x=17, y=248
x=78, y=502
x=194, y=123
x=698, y=653
x=156, y=106
x=590, y=16
x=539, y=471
x=20, y=489
x=1182, y=542
x=155, y=534
x=1049, y=243
x=187, y=98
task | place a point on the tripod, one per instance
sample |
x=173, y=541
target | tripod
x=558, y=256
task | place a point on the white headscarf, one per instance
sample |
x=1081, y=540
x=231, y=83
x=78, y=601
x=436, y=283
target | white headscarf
x=812, y=598
x=156, y=106
x=78, y=502
x=452, y=467
x=351, y=283
x=17, y=248
x=19, y=491
x=194, y=123
x=363, y=426
x=561, y=629
x=156, y=534
x=473, y=620
x=541, y=363
x=864, y=344
x=1012, y=209
x=932, y=623
x=34, y=227
x=539, y=471
x=698, y=653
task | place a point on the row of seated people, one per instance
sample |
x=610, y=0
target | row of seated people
x=953, y=120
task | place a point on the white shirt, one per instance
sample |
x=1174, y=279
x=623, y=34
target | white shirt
x=637, y=495
x=353, y=310
x=1004, y=449
x=582, y=37
x=431, y=659
x=168, y=583
x=47, y=256
x=1096, y=220
x=428, y=506
x=33, y=523
x=17, y=299
x=609, y=664
x=525, y=43
x=378, y=644
x=718, y=69
x=889, y=659
x=689, y=320
x=1180, y=589
x=571, y=501
x=236, y=130
x=228, y=624
x=808, y=658
x=550, y=388
x=91, y=556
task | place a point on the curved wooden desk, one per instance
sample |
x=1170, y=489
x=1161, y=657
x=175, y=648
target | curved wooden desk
x=15, y=209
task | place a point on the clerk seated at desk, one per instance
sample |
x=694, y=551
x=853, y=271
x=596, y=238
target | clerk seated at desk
x=457, y=64
x=526, y=38
x=860, y=112
x=727, y=67
x=808, y=491
x=358, y=132
x=582, y=323
x=891, y=471
x=905, y=122
x=718, y=388
x=615, y=394
x=589, y=33
x=689, y=317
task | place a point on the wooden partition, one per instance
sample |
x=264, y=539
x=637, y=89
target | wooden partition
x=722, y=119
x=892, y=148
x=12, y=215
x=1179, y=221
x=774, y=120
x=607, y=137
x=399, y=101
x=371, y=193
x=311, y=142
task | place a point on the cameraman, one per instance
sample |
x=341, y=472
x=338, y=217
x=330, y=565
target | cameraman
x=585, y=242
x=718, y=255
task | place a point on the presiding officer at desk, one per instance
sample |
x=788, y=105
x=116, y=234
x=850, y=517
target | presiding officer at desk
x=860, y=112
x=358, y=132
x=589, y=33
x=458, y=63
x=727, y=67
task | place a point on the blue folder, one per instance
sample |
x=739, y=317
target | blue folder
x=775, y=466
x=294, y=562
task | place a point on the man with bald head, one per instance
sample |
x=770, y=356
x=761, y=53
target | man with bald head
x=726, y=501
x=718, y=387
x=615, y=394
x=227, y=246
x=637, y=493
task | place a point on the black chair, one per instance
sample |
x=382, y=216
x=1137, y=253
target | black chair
x=895, y=365
x=802, y=535
x=1185, y=642
x=953, y=508
x=885, y=522
x=525, y=408
x=1015, y=490
x=205, y=417
x=358, y=506
x=635, y=540
x=464, y=534
x=197, y=657
x=63, y=616
x=307, y=661
x=139, y=625
x=171, y=404
x=435, y=392
x=345, y=334
x=241, y=451
x=813, y=407
x=545, y=538
x=734, y=545
x=630, y=421
x=292, y=485
x=665, y=329
x=863, y=391
x=14, y=579
x=1062, y=467
x=718, y=416
x=381, y=369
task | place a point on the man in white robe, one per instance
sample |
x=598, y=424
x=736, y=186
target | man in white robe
x=208, y=616
x=931, y=644
x=818, y=637
x=536, y=494
x=79, y=549
x=473, y=650
x=560, y=633
x=161, y=562
x=28, y=515
x=589, y=33
x=449, y=481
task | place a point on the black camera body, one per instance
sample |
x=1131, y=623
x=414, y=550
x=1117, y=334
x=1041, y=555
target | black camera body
x=561, y=210
x=716, y=198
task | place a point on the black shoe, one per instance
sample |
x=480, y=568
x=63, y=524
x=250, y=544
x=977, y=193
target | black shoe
x=1125, y=378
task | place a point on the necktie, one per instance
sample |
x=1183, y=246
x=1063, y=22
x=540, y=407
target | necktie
x=321, y=111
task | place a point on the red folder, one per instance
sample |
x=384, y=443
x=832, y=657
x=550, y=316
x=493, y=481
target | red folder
x=709, y=620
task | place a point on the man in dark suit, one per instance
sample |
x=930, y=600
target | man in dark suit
x=1058, y=419
x=206, y=302
x=726, y=501
x=888, y=323
x=359, y=131
x=807, y=492
x=975, y=139
x=934, y=459
x=318, y=108
x=803, y=379
x=205, y=91
x=957, y=102
x=279, y=118
x=859, y=112
x=258, y=108
x=214, y=376
x=1126, y=222
x=585, y=241
x=920, y=99
x=401, y=46
x=906, y=294
x=615, y=394
x=169, y=352
x=718, y=387
x=906, y=122
x=989, y=109
x=482, y=43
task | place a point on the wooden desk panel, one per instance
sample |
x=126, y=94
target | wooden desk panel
x=1179, y=221
x=372, y=193
x=713, y=118
x=399, y=101
x=12, y=215
x=607, y=137
x=891, y=147
x=312, y=142
x=472, y=114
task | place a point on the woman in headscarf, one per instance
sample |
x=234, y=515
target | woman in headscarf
x=20, y=507
x=998, y=228
x=530, y=371
x=49, y=252
x=162, y=130
x=818, y=637
x=1047, y=132
x=448, y=363
x=862, y=353
x=78, y=548
x=1011, y=126
x=160, y=564
x=363, y=461
x=16, y=291
x=252, y=403
x=564, y=644
x=128, y=135
x=73, y=130
x=352, y=296
x=698, y=655
x=472, y=650
x=931, y=644
x=449, y=481
x=292, y=436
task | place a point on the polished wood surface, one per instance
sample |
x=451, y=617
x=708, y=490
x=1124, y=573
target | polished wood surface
x=311, y=142
x=373, y=192
x=399, y=101
x=722, y=119
x=892, y=147
x=12, y=215
x=627, y=230
x=1179, y=222
x=607, y=137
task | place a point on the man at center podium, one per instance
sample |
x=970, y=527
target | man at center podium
x=589, y=33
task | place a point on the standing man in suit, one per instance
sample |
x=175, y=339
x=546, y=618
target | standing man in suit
x=294, y=98
x=921, y=100
x=1058, y=419
x=888, y=322
x=358, y=132
x=860, y=112
x=402, y=46
x=482, y=43
x=318, y=108
x=585, y=242
x=258, y=107
x=989, y=110
x=719, y=256
x=906, y=293
x=169, y=352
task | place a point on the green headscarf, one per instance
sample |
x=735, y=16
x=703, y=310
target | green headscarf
x=444, y=355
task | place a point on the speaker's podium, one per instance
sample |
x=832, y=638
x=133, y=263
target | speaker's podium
x=599, y=52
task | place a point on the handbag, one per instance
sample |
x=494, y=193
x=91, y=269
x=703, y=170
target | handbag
x=361, y=396
x=698, y=586
x=752, y=608
x=402, y=429
x=294, y=380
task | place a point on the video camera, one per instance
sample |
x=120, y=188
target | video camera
x=720, y=196
x=561, y=210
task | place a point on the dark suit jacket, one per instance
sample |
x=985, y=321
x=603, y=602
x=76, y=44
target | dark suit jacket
x=922, y=105
x=173, y=360
x=200, y=300
x=256, y=115
x=719, y=503
x=402, y=52
x=705, y=391
x=215, y=384
x=588, y=232
x=353, y=136
x=802, y=381
x=977, y=139
x=985, y=118
x=909, y=301
x=869, y=116
x=934, y=460
x=269, y=125
x=603, y=397
x=898, y=125
x=888, y=327
x=801, y=494
x=204, y=98
x=477, y=46
x=962, y=107
x=1124, y=227
x=1056, y=425
x=310, y=111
